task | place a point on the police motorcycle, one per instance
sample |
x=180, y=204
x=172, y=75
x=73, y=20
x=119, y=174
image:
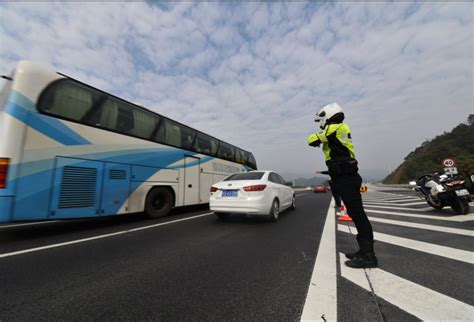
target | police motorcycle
x=442, y=190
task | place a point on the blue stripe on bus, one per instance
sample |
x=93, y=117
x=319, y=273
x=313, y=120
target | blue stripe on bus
x=23, y=109
x=33, y=199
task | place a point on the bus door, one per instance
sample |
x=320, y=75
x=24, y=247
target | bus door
x=192, y=170
x=116, y=188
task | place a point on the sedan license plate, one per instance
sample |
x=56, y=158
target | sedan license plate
x=462, y=192
x=229, y=193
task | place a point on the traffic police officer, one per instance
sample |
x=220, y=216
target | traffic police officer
x=345, y=179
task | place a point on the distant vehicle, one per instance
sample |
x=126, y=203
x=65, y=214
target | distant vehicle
x=320, y=188
x=68, y=150
x=262, y=193
x=440, y=191
x=308, y=189
x=363, y=188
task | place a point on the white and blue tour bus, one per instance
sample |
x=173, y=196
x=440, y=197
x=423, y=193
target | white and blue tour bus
x=68, y=150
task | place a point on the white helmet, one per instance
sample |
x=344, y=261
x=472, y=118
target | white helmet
x=327, y=112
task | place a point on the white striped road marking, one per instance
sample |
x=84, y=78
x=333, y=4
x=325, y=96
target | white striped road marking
x=28, y=224
x=442, y=229
x=459, y=218
x=412, y=203
x=395, y=203
x=77, y=241
x=390, y=202
x=399, y=208
x=448, y=252
x=413, y=298
x=391, y=199
x=321, y=300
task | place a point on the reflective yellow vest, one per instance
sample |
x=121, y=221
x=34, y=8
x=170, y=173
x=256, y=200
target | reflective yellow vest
x=336, y=140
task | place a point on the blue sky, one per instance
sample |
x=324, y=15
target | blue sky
x=254, y=74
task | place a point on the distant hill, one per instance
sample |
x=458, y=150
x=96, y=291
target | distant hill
x=458, y=144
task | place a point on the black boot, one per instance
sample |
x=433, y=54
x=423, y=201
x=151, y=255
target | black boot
x=357, y=253
x=353, y=255
x=365, y=257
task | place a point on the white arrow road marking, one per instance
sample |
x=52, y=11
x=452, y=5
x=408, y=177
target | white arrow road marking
x=413, y=298
x=459, y=218
x=448, y=252
x=442, y=229
x=321, y=299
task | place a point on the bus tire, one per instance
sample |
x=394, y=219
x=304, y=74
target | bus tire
x=159, y=202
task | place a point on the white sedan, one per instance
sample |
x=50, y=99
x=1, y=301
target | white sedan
x=252, y=193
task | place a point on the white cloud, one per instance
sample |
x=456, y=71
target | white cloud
x=254, y=74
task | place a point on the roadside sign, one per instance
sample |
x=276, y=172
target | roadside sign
x=448, y=163
x=451, y=170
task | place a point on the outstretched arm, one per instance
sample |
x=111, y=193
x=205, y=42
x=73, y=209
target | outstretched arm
x=313, y=140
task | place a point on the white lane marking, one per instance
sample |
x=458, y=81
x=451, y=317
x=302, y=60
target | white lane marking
x=321, y=299
x=442, y=229
x=77, y=241
x=29, y=224
x=413, y=203
x=302, y=194
x=413, y=298
x=376, y=203
x=391, y=199
x=397, y=203
x=438, y=250
x=366, y=205
x=459, y=218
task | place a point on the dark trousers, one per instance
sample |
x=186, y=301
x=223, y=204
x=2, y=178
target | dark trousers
x=347, y=186
x=337, y=199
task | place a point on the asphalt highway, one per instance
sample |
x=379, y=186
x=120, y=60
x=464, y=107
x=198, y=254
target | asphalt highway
x=192, y=267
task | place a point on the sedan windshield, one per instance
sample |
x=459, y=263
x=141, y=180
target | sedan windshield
x=246, y=176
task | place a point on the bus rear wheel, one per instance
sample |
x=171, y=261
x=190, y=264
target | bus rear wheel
x=159, y=202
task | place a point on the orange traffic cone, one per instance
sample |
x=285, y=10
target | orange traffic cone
x=345, y=216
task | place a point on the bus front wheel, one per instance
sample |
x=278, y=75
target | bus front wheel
x=159, y=202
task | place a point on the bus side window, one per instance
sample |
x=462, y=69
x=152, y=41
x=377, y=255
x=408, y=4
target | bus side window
x=251, y=163
x=160, y=133
x=125, y=121
x=67, y=99
x=226, y=151
x=187, y=137
x=144, y=123
x=241, y=156
x=214, y=145
x=108, y=117
x=172, y=134
x=238, y=157
x=203, y=144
